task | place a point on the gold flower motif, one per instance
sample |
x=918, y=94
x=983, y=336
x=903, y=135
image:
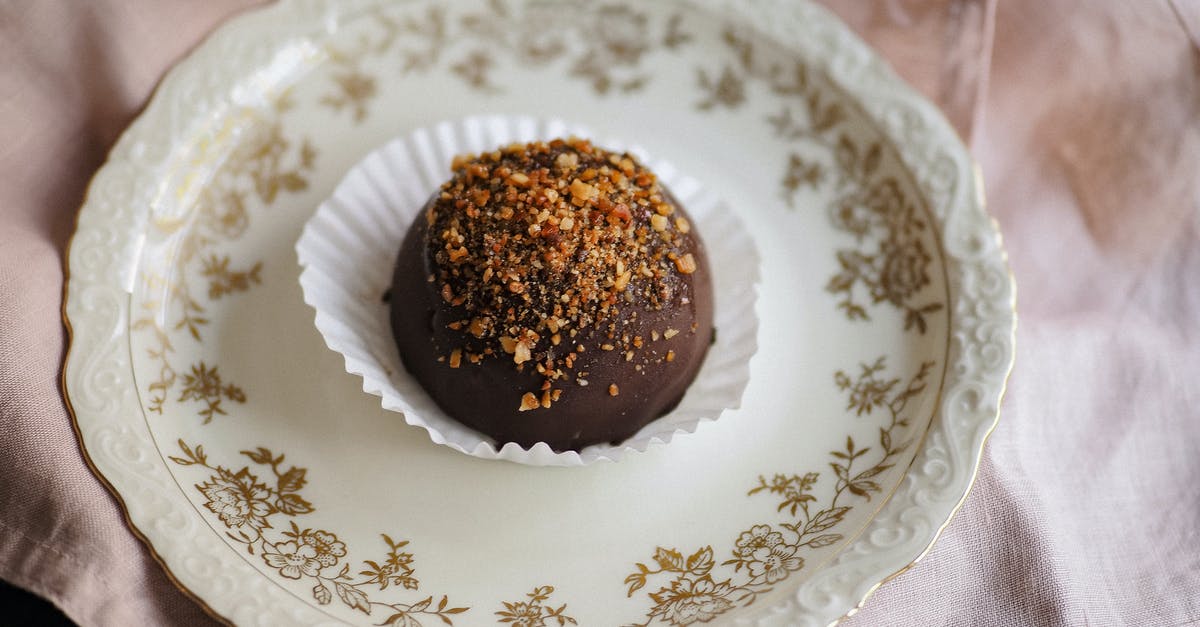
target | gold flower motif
x=905, y=271
x=328, y=548
x=536, y=612
x=226, y=215
x=773, y=563
x=690, y=601
x=237, y=499
x=765, y=555
x=759, y=537
x=292, y=560
x=852, y=216
x=886, y=200
x=522, y=614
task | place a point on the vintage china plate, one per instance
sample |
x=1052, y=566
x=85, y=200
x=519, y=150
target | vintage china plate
x=276, y=492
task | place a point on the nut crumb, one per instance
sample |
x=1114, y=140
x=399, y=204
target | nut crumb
x=686, y=264
x=529, y=401
x=521, y=353
x=613, y=390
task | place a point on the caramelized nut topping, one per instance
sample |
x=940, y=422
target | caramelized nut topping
x=540, y=245
x=529, y=401
x=686, y=263
x=521, y=353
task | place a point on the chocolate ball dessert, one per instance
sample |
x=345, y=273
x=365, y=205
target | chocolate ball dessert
x=552, y=292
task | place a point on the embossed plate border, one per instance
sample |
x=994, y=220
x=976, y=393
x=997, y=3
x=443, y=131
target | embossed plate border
x=101, y=261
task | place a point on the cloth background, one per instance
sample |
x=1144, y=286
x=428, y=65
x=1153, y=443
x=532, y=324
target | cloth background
x=1085, y=117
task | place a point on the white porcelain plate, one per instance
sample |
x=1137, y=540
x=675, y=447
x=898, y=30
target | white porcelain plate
x=277, y=492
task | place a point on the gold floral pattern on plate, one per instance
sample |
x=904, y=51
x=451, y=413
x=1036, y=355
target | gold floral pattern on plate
x=536, y=611
x=612, y=39
x=262, y=166
x=890, y=262
x=223, y=281
x=204, y=384
x=246, y=503
x=766, y=554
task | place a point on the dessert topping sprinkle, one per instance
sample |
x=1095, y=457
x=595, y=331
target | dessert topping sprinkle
x=539, y=246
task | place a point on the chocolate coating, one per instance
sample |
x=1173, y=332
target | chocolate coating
x=627, y=386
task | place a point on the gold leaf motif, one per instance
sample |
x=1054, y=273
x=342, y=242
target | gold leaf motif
x=701, y=561
x=669, y=559
x=767, y=554
x=292, y=480
x=246, y=503
x=322, y=594
x=223, y=281
x=401, y=619
x=355, y=89
x=353, y=597
x=292, y=504
x=474, y=70
x=727, y=89
x=800, y=173
x=674, y=36
x=204, y=384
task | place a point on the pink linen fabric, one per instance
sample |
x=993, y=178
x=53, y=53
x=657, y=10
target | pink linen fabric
x=72, y=76
x=1086, y=510
x=1085, y=116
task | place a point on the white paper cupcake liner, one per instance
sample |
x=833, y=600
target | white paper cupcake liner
x=348, y=250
